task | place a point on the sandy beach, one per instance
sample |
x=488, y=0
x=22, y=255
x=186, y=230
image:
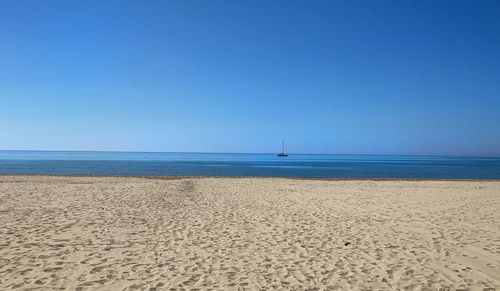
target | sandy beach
x=110, y=233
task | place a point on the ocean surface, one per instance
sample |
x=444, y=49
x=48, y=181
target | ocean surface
x=217, y=164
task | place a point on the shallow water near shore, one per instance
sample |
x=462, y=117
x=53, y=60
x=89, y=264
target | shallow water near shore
x=221, y=164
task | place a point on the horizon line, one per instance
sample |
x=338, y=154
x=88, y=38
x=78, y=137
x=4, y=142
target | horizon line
x=202, y=152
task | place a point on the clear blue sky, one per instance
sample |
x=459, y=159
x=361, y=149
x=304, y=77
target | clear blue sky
x=379, y=77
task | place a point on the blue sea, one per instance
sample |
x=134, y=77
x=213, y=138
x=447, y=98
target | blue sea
x=263, y=165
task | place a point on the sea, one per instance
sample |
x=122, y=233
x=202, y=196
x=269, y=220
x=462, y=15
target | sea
x=247, y=165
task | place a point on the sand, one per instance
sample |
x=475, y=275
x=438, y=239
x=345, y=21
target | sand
x=98, y=233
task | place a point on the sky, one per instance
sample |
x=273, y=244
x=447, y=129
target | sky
x=346, y=77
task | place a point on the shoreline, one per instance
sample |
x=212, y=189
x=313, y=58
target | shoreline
x=254, y=177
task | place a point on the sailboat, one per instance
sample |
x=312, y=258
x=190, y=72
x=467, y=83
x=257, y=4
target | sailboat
x=284, y=152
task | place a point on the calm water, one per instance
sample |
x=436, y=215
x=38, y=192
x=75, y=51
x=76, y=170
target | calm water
x=210, y=164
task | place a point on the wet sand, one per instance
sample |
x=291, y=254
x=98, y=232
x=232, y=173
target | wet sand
x=111, y=233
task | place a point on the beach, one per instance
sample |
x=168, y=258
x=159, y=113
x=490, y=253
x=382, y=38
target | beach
x=132, y=233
